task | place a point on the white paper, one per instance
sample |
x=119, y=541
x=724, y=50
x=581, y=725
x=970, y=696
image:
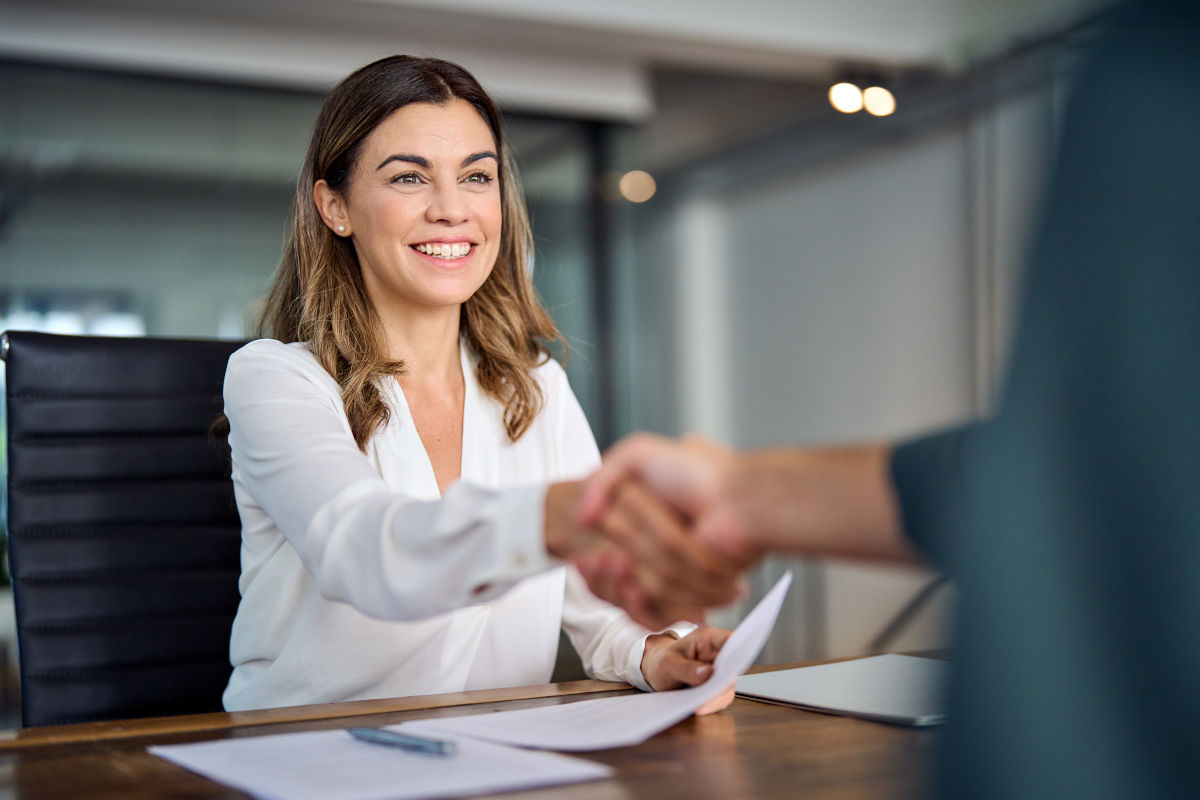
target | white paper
x=333, y=765
x=618, y=721
x=889, y=688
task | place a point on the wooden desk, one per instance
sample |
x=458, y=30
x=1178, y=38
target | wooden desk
x=750, y=750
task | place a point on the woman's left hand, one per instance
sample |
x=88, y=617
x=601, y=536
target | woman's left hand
x=670, y=663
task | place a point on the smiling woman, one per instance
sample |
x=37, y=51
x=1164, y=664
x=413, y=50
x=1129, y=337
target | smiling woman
x=423, y=212
x=405, y=454
x=363, y=162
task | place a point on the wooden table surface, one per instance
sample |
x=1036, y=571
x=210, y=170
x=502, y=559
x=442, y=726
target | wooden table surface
x=750, y=750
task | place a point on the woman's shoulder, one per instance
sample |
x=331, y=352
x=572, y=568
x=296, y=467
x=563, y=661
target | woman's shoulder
x=273, y=350
x=265, y=356
x=550, y=374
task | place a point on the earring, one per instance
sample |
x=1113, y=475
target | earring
x=341, y=228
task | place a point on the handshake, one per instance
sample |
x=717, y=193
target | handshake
x=666, y=528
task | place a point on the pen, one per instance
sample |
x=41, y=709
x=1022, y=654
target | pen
x=413, y=744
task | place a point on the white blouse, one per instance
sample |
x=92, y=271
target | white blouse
x=359, y=580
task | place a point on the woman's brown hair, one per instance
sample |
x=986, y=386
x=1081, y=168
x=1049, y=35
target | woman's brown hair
x=318, y=296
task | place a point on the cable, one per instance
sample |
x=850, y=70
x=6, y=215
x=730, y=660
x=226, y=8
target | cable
x=905, y=615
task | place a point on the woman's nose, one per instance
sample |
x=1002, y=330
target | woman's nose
x=446, y=204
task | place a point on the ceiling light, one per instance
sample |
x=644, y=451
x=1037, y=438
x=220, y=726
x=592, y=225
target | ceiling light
x=846, y=97
x=878, y=101
x=637, y=186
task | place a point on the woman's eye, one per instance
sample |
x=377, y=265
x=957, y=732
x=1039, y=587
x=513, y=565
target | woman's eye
x=407, y=177
x=479, y=177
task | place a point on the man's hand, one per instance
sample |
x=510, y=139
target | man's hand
x=639, y=555
x=691, y=475
x=670, y=663
x=661, y=575
x=660, y=572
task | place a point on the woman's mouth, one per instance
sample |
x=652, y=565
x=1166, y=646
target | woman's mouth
x=444, y=250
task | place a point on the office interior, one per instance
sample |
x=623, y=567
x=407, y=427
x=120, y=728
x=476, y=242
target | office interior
x=726, y=253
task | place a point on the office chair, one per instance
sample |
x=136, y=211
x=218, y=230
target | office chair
x=123, y=536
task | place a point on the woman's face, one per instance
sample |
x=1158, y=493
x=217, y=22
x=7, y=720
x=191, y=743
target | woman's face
x=423, y=207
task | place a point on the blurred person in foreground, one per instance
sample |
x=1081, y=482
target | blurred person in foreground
x=1071, y=519
x=405, y=453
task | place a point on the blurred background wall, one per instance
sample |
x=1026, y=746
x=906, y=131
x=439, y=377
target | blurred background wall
x=788, y=273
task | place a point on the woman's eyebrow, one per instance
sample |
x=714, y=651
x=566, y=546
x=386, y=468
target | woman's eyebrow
x=471, y=159
x=424, y=162
x=421, y=162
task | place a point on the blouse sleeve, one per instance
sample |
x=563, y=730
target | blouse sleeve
x=609, y=643
x=294, y=452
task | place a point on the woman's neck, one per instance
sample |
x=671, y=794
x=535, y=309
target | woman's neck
x=428, y=346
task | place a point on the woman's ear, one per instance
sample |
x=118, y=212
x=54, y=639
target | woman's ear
x=332, y=208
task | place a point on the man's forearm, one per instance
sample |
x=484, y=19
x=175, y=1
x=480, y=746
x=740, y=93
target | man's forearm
x=830, y=502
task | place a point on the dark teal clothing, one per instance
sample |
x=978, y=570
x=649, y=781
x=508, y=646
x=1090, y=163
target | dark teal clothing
x=1071, y=521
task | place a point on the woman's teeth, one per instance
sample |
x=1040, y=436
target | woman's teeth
x=456, y=250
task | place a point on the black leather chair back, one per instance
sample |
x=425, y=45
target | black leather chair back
x=123, y=535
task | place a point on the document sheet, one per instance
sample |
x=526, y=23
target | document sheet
x=618, y=721
x=332, y=765
x=888, y=688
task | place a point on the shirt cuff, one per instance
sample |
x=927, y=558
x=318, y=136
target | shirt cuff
x=519, y=544
x=527, y=539
x=635, y=662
